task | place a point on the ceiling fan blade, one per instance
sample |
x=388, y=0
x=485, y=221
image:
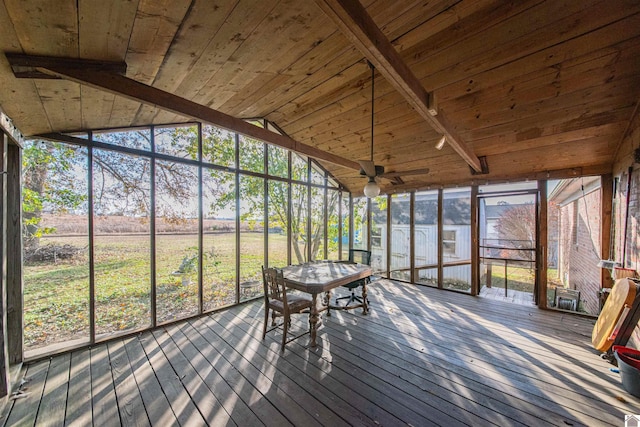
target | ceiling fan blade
x=390, y=175
x=368, y=167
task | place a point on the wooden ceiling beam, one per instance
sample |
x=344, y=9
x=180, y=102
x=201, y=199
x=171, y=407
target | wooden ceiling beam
x=95, y=76
x=356, y=24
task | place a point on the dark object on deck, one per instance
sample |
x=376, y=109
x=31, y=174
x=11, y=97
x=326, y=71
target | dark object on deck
x=629, y=365
x=356, y=256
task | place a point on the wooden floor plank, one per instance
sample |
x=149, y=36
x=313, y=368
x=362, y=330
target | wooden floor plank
x=241, y=414
x=334, y=405
x=372, y=390
x=332, y=394
x=204, y=399
x=24, y=410
x=373, y=363
x=264, y=410
x=449, y=332
x=495, y=399
x=482, y=342
x=103, y=394
x=552, y=379
x=54, y=399
x=357, y=395
x=181, y=404
x=130, y=405
x=445, y=357
x=277, y=392
x=78, y=413
x=304, y=397
x=465, y=392
x=156, y=403
x=421, y=357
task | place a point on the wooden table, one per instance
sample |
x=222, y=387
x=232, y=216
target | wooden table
x=318, y=277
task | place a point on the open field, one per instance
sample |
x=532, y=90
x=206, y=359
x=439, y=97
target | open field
x=56, y=294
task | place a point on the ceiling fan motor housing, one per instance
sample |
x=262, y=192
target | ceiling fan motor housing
x=379, y=170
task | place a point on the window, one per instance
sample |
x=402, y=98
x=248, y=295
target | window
x=177, y=249
x=218, y=146
x=346, y=221
x=278, y=207
x=218, y=239
x=177, y=141
x=251, y=154
x=56, y=239
x=376, y=237
x=317, y=223
x=400, y=261
x=177, y=228
x=121, y=218
x=333, y=224
x=360, y=223
x=456, y=239
x=278, y=161
x=449, y=242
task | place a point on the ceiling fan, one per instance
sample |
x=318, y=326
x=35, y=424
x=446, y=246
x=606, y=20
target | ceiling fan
x=373, y=171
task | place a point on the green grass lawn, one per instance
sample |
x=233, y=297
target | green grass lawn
x=56, y=295
x=518, y=278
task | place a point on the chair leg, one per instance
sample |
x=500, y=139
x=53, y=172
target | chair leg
x=266, y=319
x=285, y=327
x=351, y=298
x=273, y=318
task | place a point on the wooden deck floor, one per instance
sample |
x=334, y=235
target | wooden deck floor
x=422, y=357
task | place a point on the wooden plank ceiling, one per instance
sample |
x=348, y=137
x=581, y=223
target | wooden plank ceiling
x=538, y=88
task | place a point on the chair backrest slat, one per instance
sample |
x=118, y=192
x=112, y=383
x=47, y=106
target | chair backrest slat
x=274, y=287
x=360, y=256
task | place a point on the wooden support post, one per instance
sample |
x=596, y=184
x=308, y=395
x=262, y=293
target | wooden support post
x=289, y=208
x=412, y=238
x=475, y=243
x=387, y=245
x=4, y=366
x=369, y=207
x=200, y=228
x=153, y=291
x=540, y=292
x=351, y=222
x=606, y=207
x=506, y=283
x=440, y=250
x=14, y=255
x=340, y=195
x=237, y=190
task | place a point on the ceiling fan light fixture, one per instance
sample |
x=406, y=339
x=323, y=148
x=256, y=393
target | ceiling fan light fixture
x=372, y=189
x=440, y=143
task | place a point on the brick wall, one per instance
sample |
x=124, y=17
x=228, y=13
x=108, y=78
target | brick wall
x=580, y=249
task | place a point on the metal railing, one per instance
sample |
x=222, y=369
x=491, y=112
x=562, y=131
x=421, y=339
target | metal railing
x=516, y=252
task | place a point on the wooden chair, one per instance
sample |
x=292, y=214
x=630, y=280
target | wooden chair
x=356, y=256
x=281, y=305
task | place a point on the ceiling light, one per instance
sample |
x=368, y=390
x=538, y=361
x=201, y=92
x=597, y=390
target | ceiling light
x=440, y=143
x=372, y=189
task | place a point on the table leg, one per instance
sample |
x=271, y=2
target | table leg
x=365, y=305
x=313, y=319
